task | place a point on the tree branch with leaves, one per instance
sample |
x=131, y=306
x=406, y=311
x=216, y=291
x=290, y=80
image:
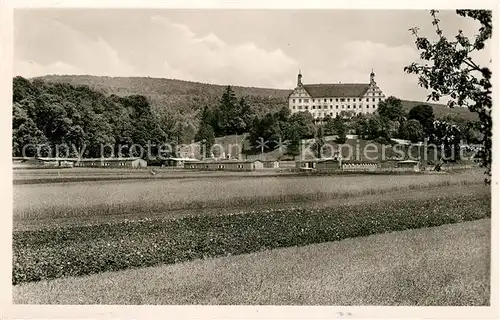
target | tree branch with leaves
x=449, y=70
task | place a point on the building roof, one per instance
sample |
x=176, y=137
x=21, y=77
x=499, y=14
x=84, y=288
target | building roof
x=54, y=159
x=309, y=160
x=409, y=161
x=337, y=90
x=183, y=159
x=107, y=159
x=353, y=161
x=23, y=158
x=227, y=161
x=329, y=160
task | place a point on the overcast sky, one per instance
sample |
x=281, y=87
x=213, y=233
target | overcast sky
x=237, y=47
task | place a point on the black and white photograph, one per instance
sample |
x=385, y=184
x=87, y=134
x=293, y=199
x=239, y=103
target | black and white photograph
x=252, y=156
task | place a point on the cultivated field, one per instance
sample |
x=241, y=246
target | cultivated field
x=59, y=251
x=63, y=200
x=446, y=265
x=71, y=230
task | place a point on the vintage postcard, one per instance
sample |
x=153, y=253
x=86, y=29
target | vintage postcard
x=245, y=159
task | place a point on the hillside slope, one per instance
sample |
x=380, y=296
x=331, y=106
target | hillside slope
x=442, y=111
x=183, y=96
x=189, y=97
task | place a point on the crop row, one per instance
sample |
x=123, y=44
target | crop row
x=86, y=200
x=76, y=251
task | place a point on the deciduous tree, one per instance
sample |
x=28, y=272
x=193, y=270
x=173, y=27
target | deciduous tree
x=451, y=70
x=391, y=109
x=340, y=129
x=424, y=114
x=412, y=130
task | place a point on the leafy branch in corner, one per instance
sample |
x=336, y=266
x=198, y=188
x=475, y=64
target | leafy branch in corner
x=449, y=70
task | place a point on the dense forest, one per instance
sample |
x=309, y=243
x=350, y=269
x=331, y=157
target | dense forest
x=90, y=112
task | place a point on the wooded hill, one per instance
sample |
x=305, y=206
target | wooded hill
x=178, y=95
x=88, y=112
x=189, y=98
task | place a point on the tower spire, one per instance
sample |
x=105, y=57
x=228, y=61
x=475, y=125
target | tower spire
x=299, y=79
x=372, y=77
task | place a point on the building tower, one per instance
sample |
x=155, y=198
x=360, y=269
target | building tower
x=299, y=79
x=372, y=77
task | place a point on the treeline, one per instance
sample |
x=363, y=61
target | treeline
x=182, y=102
x=282, y=129
x=54, y=114
x=79, y=120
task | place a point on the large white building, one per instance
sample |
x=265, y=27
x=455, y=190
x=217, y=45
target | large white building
x=331, y=99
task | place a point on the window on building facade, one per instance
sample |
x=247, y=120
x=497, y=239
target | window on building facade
x=367, y=99
x=293, y=107
x=337, y=106
x=354, y=106
x=359, y=99
x=342, y=100
x=348, y=99
x=348, y=106
x=337, y=100
x=314, y=107
x=307, y=107
x=331, y=113
x=331, y=99
x=373, y=99
x=306, y=100
x=300, y=100
x=293, y=100
x=325, y=107
x=313, y=100
x=300, y=107
x=331, y=107
x=342, y=106
x=374, y=106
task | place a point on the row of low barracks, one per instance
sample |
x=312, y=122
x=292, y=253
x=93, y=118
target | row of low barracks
x=225, y=165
